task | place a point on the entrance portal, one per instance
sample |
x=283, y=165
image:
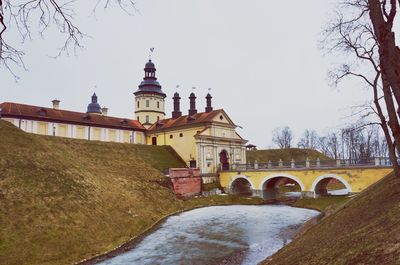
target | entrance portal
x=223, y=159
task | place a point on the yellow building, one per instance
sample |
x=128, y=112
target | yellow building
x=207, y=140
x=94, y=124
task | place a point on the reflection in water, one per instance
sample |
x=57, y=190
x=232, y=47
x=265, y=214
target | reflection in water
x=205, y=235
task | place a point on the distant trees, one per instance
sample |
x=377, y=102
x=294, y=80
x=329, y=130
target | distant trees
x=309, y=140
x=354, y=142
x=282, y=137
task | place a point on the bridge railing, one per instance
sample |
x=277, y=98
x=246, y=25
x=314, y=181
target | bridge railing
x=331, y=163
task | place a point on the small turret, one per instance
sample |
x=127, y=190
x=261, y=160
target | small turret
x=177, y=106
x=209, y=107
x=192, y=110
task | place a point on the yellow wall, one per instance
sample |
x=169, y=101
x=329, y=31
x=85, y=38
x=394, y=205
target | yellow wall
x=358, y=178
x=126, y=136
x=62, y=130
x=139, y=138
x=185, y=146
x=43, y=128
x=112, y=135
x=80, y=132
x=96, y=134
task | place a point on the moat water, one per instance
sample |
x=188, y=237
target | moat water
x=208, y=235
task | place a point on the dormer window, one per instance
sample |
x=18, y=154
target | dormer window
x=124, y=122
x=42, y=112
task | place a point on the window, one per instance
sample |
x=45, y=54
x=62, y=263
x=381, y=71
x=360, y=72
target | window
x=171, y=136
x=147, y=119
x=158, y=105
x=181, y=135
x=138, y=104
x=147, y=103
x=158, y=118
x=138, y=119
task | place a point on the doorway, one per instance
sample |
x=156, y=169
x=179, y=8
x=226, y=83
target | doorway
x=224, y=160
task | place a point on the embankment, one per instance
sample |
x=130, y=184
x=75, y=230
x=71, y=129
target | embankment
x=365, y=230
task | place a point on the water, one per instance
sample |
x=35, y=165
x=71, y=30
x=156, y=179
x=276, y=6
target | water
x=206, y=235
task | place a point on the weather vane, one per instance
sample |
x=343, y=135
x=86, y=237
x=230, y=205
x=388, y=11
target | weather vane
x=193, y=87
x=151, y=51
x=209, y=89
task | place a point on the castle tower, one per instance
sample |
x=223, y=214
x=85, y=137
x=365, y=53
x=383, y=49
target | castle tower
x=149, y=98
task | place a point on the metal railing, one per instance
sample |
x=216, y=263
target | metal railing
x=312, y=164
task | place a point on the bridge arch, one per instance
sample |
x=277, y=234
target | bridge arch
x=270, y=184
x=241, y=185
x=319, y=186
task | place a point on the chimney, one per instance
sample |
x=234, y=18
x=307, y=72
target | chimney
x=209, y=107
x=56, y=104
x=104, y=111
x=177, y=106
x=192, y=110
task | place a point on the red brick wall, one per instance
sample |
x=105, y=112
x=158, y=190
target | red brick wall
x=186, y=182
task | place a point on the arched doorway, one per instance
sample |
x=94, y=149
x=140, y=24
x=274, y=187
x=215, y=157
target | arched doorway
x=224, y=160
x=154, y=141
x=331, y=186
x=241, y=186
x=281, y=186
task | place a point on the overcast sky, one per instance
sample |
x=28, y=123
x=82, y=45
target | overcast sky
x=260, y=58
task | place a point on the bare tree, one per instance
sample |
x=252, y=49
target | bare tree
x=353, y=33
x=283, y=137
x=21, y=16
x=309, y=140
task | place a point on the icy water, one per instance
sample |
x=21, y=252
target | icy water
x=206, y=235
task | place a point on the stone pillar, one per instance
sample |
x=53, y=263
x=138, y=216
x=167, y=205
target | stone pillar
x=318, y=162
x=307, y=162
x=257, y=193
x=269, y=164
x=308, y=194
x=338, y=162
x=255, y=165
x=292, y=163
x=280, y=163
x=377, y=161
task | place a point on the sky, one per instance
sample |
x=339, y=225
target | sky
x=260, y=58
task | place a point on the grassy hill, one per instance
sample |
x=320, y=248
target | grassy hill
x=274, y=155
x=64, y=200
x=366, y=230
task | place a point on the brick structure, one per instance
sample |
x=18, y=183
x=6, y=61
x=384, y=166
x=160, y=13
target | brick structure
x=186, y=182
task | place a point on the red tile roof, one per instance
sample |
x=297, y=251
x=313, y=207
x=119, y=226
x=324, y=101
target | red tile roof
x=199, y=118
x=15, y=110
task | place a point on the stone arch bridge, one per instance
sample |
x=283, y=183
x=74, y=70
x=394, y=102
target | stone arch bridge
x=312, y=181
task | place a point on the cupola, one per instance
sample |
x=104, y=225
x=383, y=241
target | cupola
x=94, y=107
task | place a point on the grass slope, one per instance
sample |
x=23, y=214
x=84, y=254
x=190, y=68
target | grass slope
x=366, y=230
x=274, y=155
x=63, y=200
